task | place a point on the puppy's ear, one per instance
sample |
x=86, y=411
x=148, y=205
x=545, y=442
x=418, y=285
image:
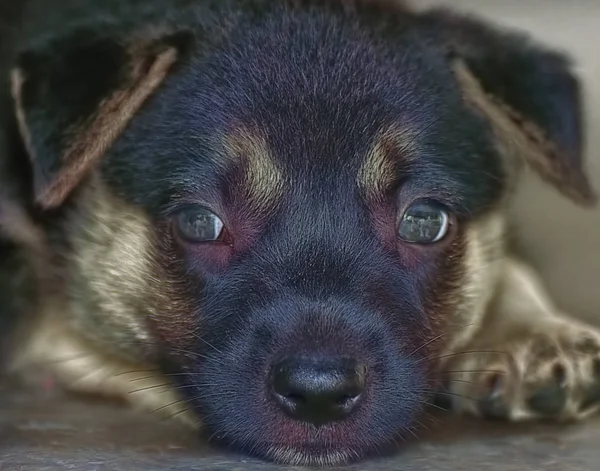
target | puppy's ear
x=74, y=95
x=529, y=94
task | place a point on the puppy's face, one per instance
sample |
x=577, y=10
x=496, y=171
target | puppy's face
x=298, y=225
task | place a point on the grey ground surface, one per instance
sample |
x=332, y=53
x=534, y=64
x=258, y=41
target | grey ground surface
x=50, y=432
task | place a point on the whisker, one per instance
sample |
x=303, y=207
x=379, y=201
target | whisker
x=213, y=435
x=435, y=406
x=179, y=412
x=465, y=381
x=196, y=385
x=448, y=393
x=450, y=355
x=167, y=406
x=426, y=344
x=422, y=425
x=425, y=403
x=429, y=342
x=164, y=374
x=135, y=371
x=411, y=431
x=206, y=342
x=471, y=371
x=147, y=388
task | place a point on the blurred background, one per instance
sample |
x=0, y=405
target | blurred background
x=561, y=240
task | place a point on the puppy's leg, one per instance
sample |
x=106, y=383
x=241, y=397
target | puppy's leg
x=53, y=349
x=548, y=365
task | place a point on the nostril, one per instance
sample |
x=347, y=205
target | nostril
x=294, y=397
x=346, y=399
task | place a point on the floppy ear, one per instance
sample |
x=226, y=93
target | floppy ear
x=74, y=95
x=529, y=94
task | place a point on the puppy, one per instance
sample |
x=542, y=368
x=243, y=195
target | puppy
x=285, y=220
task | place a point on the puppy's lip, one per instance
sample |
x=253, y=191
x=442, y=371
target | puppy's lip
x=331, y=445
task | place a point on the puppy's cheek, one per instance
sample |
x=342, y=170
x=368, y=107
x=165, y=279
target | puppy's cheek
x=457, y=284
x=177, y=298
x=120, y=294
x=109, y=271
x=441, y=277
x=475, y=278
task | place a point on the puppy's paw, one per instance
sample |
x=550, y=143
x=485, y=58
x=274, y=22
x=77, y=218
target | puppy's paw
x=550, y=371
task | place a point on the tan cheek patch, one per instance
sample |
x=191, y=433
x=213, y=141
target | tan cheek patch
x=394, y=146
x=263, y=180
x=122, y=294
x=483, y=262
x=96, y=337
x=110, y=272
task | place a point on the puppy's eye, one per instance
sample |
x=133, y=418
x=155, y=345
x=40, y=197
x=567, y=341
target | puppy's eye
x=198, y=224
x=424, y=222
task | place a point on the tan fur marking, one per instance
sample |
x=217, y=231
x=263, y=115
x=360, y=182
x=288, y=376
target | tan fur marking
x=483, y=264
x=95, y=338
x=378, y=170
x=263, y=180
x=101, y=130
x=111, y=272
x=519, y=137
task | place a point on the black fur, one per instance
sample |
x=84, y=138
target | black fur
x=318, y=80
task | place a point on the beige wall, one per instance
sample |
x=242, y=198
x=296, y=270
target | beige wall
x=563, y=241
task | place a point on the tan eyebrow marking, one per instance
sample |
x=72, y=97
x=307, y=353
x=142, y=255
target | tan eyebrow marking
x=263, y=179
x=378, y=171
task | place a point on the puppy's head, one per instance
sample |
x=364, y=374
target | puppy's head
x=295, y=209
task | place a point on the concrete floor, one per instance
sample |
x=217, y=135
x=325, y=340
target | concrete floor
x=48, y=432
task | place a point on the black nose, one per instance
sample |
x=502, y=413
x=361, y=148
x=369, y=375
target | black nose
x=318, y=389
